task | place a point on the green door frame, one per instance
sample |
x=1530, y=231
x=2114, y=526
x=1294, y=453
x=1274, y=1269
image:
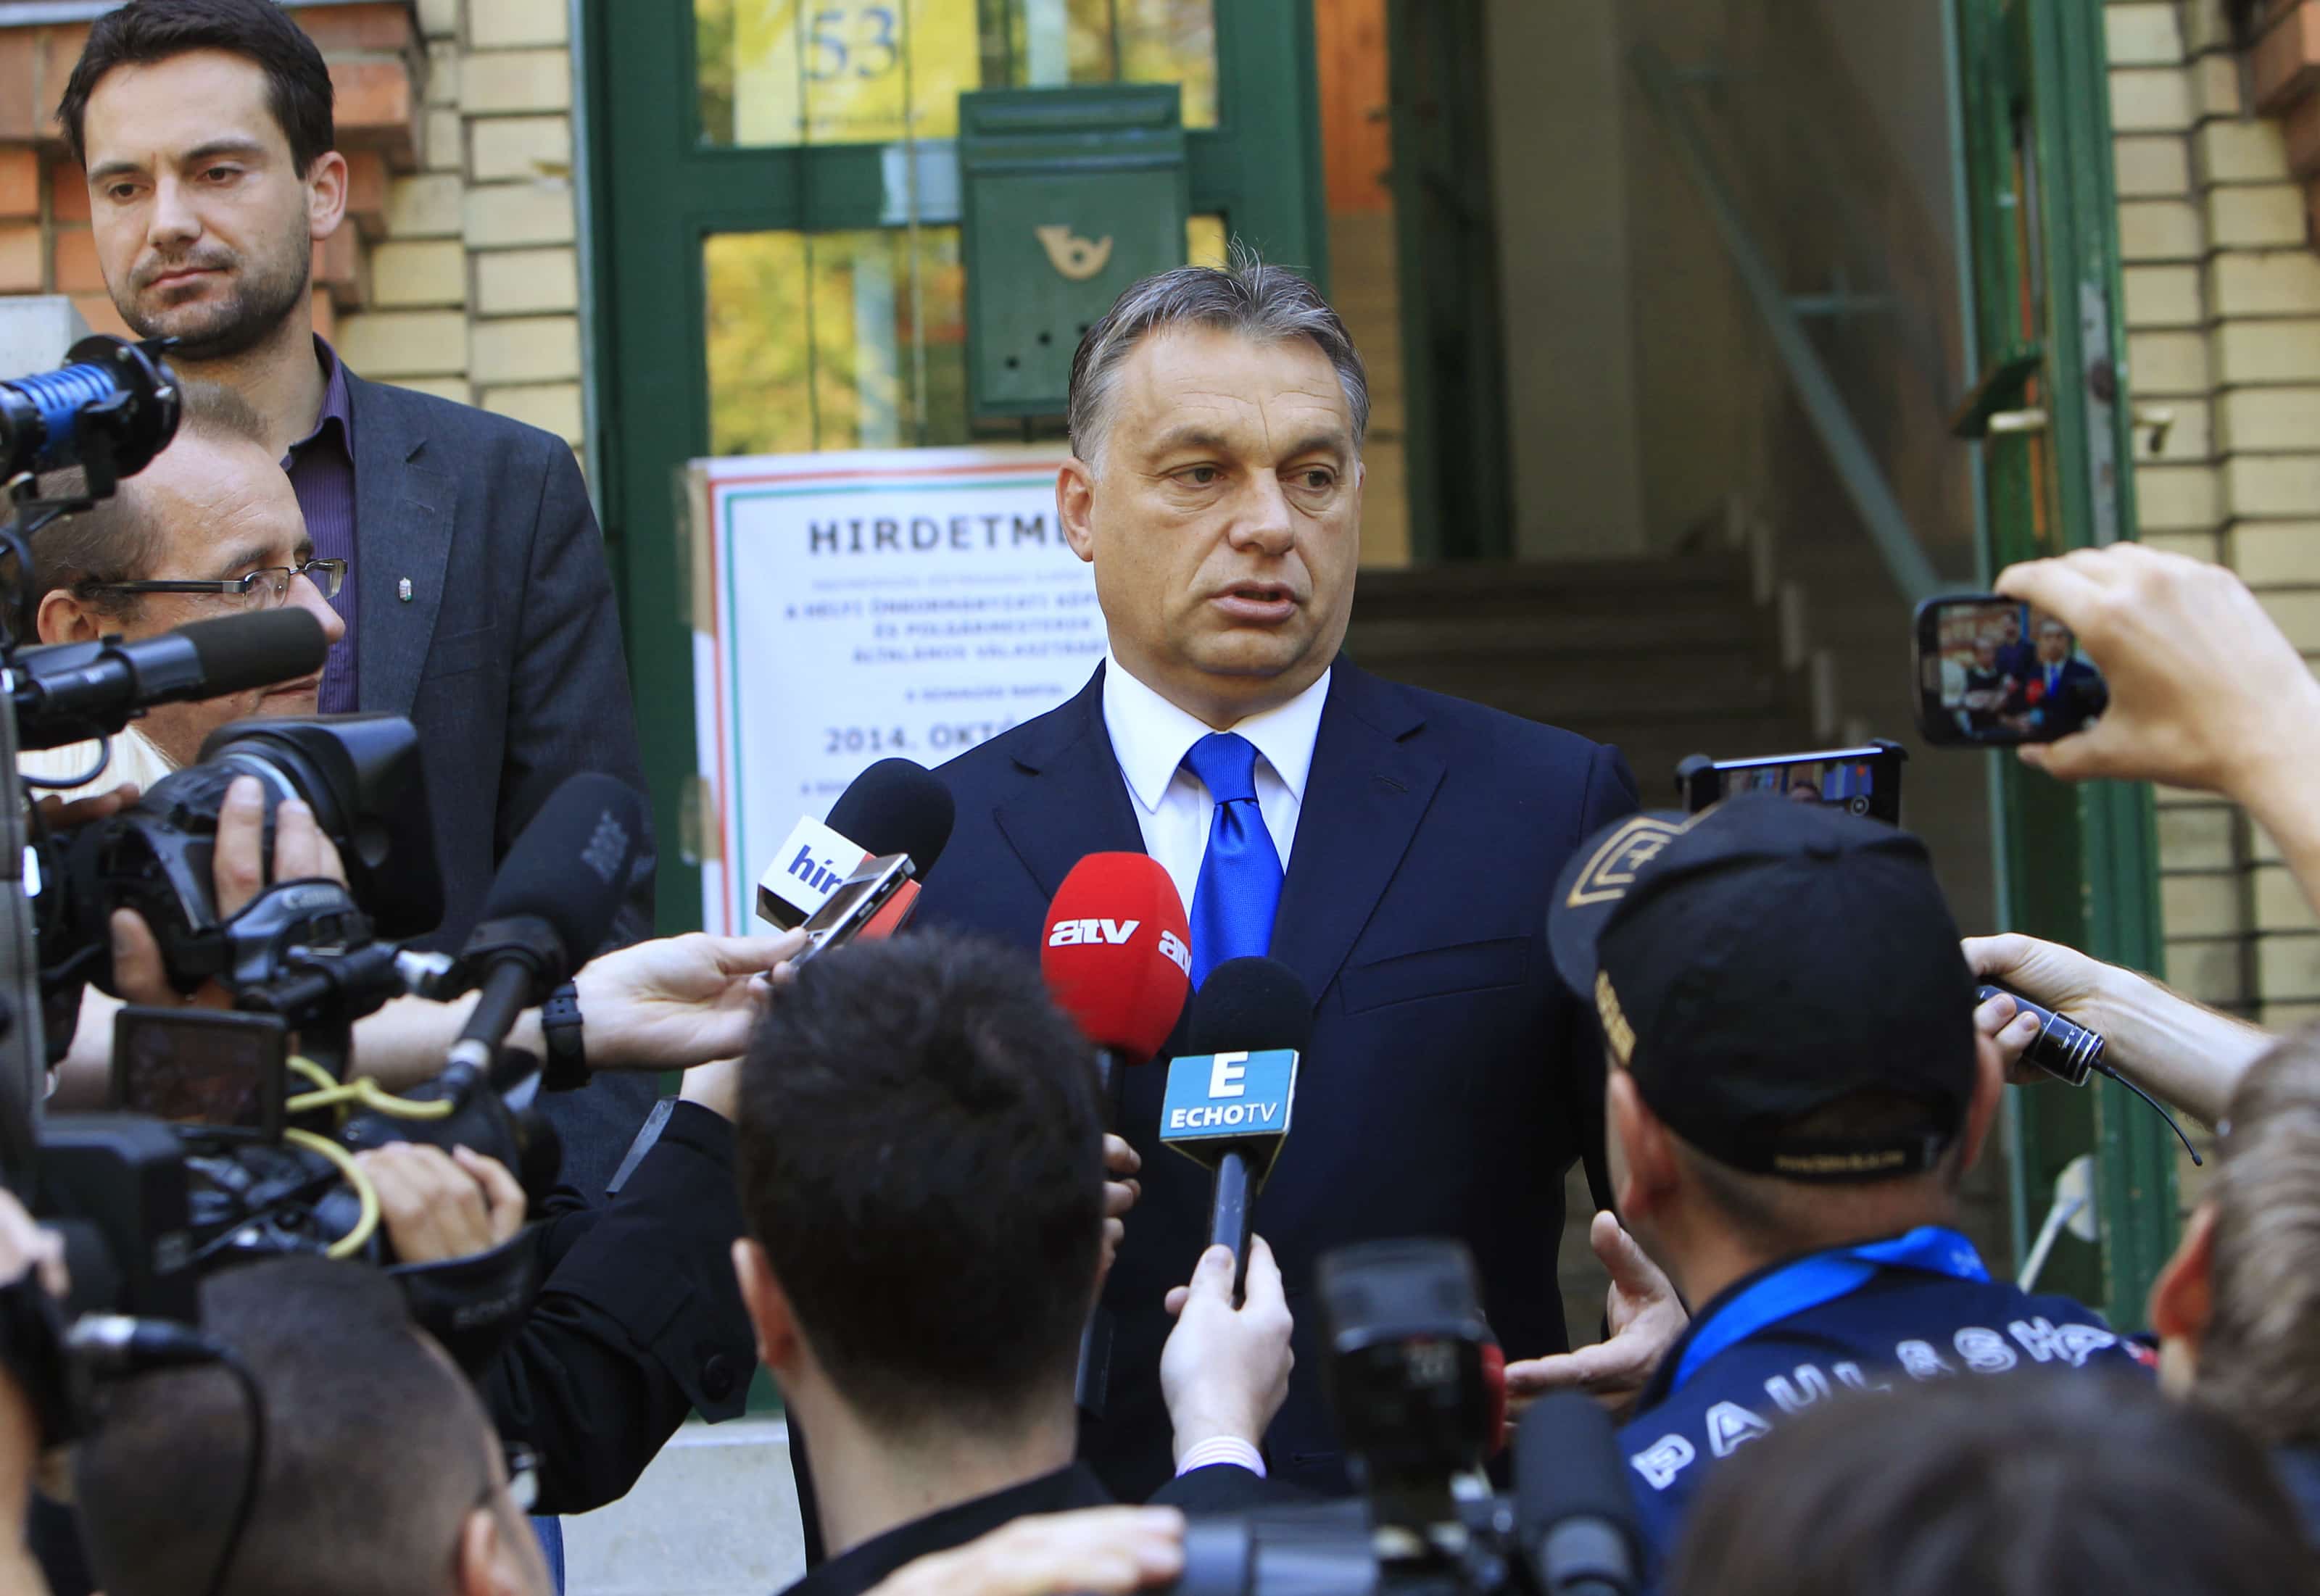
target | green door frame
x=2078, y=865
x=657, y=192
x=1456, y=443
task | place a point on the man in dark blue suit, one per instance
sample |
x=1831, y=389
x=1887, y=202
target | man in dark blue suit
x=1396, y=848
x=2061, y=692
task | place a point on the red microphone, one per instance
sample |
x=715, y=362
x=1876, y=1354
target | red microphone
x=1118, y=958
x=1118, y=955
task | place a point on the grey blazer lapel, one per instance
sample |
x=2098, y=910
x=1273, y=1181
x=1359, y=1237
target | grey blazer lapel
x=405, y=511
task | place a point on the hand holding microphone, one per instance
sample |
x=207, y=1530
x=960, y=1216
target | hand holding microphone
x=1225, y=1370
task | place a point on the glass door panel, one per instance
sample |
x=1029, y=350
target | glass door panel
x=833, y=340
x=785, y=73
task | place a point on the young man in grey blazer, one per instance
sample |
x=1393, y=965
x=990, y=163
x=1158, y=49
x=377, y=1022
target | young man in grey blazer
x=476, y=599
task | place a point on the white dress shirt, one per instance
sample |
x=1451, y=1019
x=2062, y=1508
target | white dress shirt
x=1150, y=738
x=134, y=759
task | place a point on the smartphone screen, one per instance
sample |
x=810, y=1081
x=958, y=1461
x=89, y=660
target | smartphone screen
x=1865, y=780
x=1993, y=672
x=856, y=901
x=201, y=1067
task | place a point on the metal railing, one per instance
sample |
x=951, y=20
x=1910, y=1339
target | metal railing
x=1784, y=314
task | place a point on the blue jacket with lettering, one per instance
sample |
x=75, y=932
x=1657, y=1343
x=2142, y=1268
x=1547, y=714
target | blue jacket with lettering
x=1918, y=1307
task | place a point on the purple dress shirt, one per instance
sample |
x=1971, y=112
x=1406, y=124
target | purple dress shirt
x=321, y=467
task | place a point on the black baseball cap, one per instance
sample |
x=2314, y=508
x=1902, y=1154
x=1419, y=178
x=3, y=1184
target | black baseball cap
x=1764, y=960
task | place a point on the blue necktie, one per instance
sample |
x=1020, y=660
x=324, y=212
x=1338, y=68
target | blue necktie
x=1240, y=874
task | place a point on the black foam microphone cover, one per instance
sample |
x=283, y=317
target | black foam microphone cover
x=1249, y=1006
x=241, y=652
x=896, y=807
x=572, y=865
x=1574, y=1511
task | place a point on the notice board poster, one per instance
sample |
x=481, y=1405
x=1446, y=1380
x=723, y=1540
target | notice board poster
x=851, y=607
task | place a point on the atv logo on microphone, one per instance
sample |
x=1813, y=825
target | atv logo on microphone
x=1172, y=948
x=1116, y=933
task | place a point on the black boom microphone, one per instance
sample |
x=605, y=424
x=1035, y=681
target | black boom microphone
x=551, y=906
x=1574, y=1516
x=896, y=807
x=76, y=692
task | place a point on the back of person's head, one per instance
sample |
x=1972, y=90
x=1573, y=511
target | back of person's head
x=2021, y=1485
x=2259, y=1351
x=377, y=1454
x=145, y=32
x=1788, y=1019
x=921, y=1160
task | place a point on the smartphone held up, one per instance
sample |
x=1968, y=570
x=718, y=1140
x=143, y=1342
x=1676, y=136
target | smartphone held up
x=1992, y=672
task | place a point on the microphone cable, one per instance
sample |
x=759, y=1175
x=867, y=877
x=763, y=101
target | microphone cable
x=115, y=1346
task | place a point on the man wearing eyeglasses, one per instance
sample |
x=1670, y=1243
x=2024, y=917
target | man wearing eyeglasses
x=210, y=529
x=476, y=594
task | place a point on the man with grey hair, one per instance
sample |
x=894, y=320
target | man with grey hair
x=1395, y=848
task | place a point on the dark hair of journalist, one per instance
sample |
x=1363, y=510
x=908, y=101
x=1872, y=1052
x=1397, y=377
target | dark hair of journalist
x=146, y=32
x=2029, y=1485
x=921, y=1155
x=376, y=1449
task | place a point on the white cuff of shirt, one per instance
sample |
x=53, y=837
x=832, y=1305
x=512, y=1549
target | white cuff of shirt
x=1222, y=1449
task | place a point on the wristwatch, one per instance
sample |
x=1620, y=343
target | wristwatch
x=565, y=1068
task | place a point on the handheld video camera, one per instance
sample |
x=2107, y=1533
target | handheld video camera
x=1407, y=1346
x=254, y=1154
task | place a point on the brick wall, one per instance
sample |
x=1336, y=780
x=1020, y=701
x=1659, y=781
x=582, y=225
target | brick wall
x=2223, y=304
x=455, y=272
x=475, y=289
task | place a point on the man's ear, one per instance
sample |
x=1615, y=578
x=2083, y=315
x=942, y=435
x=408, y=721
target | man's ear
x=326, y=194
x=64, y=618
x=1644, y=1163
x=489, y=1563
x=2182, y=1299
x=1989, y=1092
x=779, y=1345
x=1075, y=506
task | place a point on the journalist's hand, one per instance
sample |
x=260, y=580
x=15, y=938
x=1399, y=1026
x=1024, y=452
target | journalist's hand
x=1120, y=1192
x=2202, y=686
x=1225, y=1370
x=57, y=814
x=1094, y=1552
x=678, y=1001
x=2060, y=978
x=436, y=1205
x=237, y=874
x=1645, y=1317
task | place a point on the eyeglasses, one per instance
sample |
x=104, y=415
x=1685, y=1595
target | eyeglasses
x=268, y=586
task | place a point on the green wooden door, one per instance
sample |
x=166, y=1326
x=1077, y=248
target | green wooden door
x=774, y=205
x=2051, y=417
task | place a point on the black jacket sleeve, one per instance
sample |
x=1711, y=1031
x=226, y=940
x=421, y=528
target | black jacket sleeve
x=1227, y=1488
x=637, y=1323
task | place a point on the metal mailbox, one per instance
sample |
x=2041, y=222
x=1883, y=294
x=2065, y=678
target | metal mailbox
x=1069, y=195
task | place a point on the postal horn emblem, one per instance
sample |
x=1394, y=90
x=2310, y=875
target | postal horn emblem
x=1075, y=257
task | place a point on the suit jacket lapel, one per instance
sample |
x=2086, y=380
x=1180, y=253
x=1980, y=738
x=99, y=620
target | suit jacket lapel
x=1079, y=804
x=1364, y=797
x=404, y=513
